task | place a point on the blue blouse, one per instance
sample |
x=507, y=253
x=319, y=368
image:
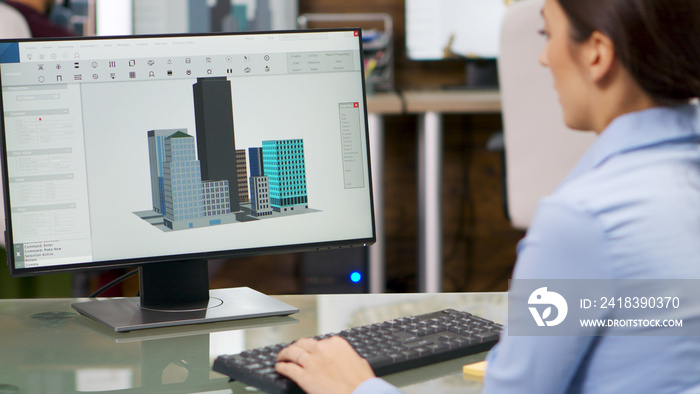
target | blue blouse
x=630, y=209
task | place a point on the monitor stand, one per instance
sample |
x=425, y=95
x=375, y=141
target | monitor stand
x=177, y=293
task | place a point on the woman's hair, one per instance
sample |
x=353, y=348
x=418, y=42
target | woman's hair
x=657, y=41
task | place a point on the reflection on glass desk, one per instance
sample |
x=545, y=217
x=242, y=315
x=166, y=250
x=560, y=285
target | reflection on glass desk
x=45, y=347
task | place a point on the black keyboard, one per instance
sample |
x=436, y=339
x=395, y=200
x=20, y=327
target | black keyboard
x=391, y=346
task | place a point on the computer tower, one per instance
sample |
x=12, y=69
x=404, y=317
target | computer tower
x=337, y=271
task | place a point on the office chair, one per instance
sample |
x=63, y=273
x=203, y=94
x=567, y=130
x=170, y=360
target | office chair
x=12, y=23
x=539, y=149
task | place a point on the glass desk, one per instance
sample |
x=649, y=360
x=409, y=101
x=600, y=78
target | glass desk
x=46, y=347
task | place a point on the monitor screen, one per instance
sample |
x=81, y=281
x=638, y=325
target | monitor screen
x=129, y=150
x=443, y=29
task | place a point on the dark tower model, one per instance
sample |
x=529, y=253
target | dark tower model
x=256, y=162
x=216, y=147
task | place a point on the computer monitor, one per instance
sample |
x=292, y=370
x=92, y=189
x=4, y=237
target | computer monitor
x=165, y=151
x=457, y=29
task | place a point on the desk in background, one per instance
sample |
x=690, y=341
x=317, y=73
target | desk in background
x=47, y=347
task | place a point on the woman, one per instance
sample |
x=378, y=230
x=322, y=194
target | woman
x=626, y=69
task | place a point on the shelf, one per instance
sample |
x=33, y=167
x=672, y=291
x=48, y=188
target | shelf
x=378, y=53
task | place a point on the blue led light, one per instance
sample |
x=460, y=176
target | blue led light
x=355, y=277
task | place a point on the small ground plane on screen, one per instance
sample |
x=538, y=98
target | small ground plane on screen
x=156, y=219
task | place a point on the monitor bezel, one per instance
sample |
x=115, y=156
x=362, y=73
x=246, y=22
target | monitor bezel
x=231, y=253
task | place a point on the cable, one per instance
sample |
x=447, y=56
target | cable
x=114, y=282
x=466, y=211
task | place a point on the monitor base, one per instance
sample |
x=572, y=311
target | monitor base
x=126, y=314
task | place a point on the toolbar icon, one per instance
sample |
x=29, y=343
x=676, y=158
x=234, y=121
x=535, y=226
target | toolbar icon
x=132, y=63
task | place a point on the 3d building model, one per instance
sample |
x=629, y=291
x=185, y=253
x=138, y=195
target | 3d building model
x=216, y=146
x=156, y=152
x=260, y=193
x=284, y=165
x=203, y=182
x=182, y=181
x=242, y=174
x=180, y=195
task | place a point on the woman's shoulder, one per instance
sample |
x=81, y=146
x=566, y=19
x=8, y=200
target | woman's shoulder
x=656, y=176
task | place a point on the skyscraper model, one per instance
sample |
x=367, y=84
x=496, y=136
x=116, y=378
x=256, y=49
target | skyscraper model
x=242, y=172
x=259, y=184
x=285, y=166
x=156, y=152
x=182, y=185
x=216, y=147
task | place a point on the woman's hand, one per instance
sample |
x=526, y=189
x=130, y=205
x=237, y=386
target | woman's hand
x=326, y=366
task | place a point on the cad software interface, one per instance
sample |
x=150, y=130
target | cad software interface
x=142, y=147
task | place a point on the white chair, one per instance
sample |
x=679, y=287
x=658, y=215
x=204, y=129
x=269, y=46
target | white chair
x=12, y=23
x=540, y=150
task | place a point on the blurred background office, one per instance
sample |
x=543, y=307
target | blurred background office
x=478, y=240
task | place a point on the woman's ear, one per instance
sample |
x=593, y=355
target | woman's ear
x=599, y=57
